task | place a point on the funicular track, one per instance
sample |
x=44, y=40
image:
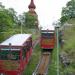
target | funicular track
x=42, y=67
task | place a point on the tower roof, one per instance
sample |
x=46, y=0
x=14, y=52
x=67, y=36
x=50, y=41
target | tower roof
x=32, y=5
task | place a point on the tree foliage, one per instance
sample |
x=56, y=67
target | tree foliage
x=21, y=19
x=68, y=12
x=30, y=20
x=13, y=14
x=7, y=20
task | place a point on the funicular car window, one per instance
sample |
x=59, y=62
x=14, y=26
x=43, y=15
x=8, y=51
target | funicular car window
x=9, y=55
x=28, y=42
x=26, y=48
x=24, y=52
x=47, y=35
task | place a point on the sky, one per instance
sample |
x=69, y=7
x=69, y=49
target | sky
x=48, y=10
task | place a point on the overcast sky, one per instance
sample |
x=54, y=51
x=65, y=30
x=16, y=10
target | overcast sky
x=47, y=10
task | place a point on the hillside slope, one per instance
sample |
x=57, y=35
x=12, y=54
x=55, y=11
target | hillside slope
x=69, y=48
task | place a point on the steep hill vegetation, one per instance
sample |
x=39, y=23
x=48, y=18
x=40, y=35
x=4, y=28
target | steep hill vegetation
x=69, y=48
x=11, y=23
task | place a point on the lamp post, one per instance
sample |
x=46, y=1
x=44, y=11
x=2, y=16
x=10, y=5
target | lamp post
x=21, y=19
x=57, y=44
x=36, y=25
x=57, y=36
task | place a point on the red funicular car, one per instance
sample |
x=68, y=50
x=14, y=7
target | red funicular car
x=15, y=53
x=47, y=39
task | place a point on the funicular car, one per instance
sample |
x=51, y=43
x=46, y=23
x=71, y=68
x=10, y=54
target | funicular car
x=47, y=39
x=15, y=53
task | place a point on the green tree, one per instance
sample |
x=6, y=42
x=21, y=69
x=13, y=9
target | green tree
x=68, y=12
x=30, y=20
x=13, y=16
x=1, y=6
x=7, y=20
x=21, y=19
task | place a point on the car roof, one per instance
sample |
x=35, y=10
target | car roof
x=16, y=40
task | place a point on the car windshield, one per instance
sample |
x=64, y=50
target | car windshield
x=47, y=35
x=9, y=55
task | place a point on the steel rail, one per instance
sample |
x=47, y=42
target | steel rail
x=42, y=67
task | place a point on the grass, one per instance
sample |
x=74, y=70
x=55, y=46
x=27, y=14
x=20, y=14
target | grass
x=52, y=66
x=34, y=61
x=69, y=47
